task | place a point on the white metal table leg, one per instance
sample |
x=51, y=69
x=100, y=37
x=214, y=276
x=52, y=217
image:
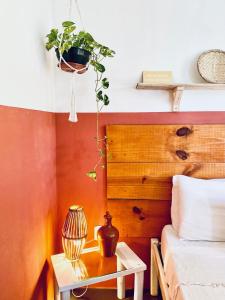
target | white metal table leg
x=120, y=281
x=138, y=285
x=56, y=290
x=65, y=295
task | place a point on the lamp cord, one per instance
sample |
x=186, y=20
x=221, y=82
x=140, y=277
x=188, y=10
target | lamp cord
x=82, y=294
x=86, y=288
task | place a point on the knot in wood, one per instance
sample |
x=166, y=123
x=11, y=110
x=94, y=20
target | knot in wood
x=183, y=131
x=182, y=154
x=144, y=178
x=136, y=210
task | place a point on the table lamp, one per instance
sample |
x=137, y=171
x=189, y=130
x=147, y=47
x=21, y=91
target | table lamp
x=74, y=233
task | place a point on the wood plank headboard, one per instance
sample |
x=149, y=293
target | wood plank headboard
x=141, y=161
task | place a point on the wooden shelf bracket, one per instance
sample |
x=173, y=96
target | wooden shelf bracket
x=176, y=98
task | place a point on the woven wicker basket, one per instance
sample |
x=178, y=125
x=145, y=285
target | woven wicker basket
x=211, y=66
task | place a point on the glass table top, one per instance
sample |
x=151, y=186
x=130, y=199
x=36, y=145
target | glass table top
x=92, y=268
x=92, y=264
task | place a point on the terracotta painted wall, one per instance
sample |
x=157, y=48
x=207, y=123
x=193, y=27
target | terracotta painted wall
x=76, y=154
x=28, y=206
x=27, y=203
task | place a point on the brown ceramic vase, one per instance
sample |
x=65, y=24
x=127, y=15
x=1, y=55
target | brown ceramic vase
x=108, y=236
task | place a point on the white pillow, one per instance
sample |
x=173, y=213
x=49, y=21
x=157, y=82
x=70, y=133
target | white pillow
x=198, y=208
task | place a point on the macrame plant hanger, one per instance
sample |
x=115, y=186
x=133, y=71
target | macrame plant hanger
x=73, y=4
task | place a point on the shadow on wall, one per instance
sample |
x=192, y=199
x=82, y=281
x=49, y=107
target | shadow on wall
x=40, y=291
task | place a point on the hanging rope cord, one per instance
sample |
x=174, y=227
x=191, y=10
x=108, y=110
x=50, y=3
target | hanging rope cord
x=71, y=2
x=73, y=113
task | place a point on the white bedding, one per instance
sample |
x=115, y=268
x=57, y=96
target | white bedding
x=195, y=270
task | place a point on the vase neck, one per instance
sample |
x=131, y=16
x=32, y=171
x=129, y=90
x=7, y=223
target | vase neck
x=108, y=219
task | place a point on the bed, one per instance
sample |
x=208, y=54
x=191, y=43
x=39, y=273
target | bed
x=188, y=269
x=189, y=263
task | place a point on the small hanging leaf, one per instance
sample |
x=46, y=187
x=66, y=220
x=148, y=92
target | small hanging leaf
x=106, y=100
x=105, y=51
x=99, y=67
x=92, y=62
x=67, y=23
x=101, y=153
x=92, y=174
x=99, y=96
x=105, y=83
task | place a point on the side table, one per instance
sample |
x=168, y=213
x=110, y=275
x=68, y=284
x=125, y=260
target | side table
x=92, y=268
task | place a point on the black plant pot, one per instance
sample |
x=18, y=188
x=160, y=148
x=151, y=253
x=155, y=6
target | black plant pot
x=75, y=55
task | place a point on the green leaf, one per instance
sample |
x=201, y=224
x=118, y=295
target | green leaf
x=93, y=62
x=53, y=34
x=49, y=46
x=106, y=100
x=99, y=67
x=67, y=46
x=101, y=153
x=92, y=174
x=66, y=36
x=70, y=29
x=89, y=37
x=67, y=24
x=86, y=35
x=105, y=83
x=99, y=95
x=111, y=53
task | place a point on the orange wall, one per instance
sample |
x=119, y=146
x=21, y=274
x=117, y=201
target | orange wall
x=28, y=203
x=28, y=206
x=76, y=154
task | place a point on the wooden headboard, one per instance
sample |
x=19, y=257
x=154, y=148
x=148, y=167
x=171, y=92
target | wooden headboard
x=141, y=161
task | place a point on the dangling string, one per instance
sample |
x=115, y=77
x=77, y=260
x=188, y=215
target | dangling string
x=73, y=109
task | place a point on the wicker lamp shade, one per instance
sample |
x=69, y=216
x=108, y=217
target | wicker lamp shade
x=74, y=232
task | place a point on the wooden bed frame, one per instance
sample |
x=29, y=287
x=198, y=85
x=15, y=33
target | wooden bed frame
x=157, y=277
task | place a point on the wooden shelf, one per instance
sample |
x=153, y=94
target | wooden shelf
x=177, y=89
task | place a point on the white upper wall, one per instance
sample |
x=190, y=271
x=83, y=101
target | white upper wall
x=147, y=35
x=25, y=71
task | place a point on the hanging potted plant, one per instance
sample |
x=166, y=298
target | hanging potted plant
x=75, y=51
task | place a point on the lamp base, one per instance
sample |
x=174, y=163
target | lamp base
x=73, y=247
